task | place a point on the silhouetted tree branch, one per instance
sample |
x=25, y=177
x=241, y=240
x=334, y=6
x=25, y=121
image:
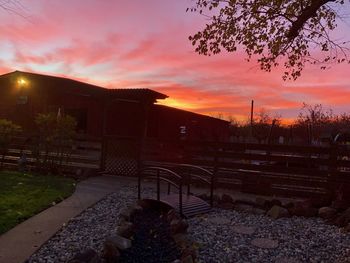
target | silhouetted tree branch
x=269, y=30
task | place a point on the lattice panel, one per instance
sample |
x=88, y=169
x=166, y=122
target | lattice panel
x=121, y=156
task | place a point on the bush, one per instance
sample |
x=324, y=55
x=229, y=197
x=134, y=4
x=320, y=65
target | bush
x=53, y=145
x=8, y=130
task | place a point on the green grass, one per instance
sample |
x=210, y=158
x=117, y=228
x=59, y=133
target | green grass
x=24, y=195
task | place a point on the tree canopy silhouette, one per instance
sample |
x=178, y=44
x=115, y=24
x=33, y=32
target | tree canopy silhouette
x=270, y=30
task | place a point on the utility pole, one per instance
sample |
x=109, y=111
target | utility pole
x=251, y=119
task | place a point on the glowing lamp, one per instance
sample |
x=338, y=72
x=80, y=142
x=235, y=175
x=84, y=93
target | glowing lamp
x=22, y=82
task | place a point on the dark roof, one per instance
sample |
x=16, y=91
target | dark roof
x=136, y=93
x=69, y=86
x=190, y=113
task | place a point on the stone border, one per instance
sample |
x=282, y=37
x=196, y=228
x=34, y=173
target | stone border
x=122, y=240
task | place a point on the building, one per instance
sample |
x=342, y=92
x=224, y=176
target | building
x=100, y=111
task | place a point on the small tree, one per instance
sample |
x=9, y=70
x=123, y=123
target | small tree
x=7, y=131
x=53, y=144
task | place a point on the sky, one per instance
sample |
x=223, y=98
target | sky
x=144, y=44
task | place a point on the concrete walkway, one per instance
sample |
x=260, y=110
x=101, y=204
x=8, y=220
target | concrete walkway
x=19, y=243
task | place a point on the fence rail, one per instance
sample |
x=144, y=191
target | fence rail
x=289, y=170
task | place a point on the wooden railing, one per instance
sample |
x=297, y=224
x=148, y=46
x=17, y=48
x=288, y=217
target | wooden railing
x=81, y=154
x=287, y=170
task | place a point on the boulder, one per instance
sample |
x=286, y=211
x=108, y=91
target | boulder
x=188, y=255
x=258, y=211
x=326, y=212
x=178, y=226
x=120, y=242
x=125, y=214
x=261, y=202
x=273, y=202
x=110, y=252
x=227, y=206
x=225, y=198
x=343, y=219
x=181, y=240
x=340, y=205
x=88, y=256
x=243, y=208
x=303, y=208
x=172, y=214
x=126, y=230
x=277, y=212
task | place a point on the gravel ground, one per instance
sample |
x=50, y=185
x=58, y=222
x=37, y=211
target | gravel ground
x=299, y=239
x=222, y=235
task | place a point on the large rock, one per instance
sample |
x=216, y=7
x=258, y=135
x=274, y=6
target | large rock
x=340, y=205
x=172, y=214
x=326, y=212
x=277, y=212
x=303, y=208
x=88, y=256
x=182, y=240
x=178, y=226
x=342, y=219
x=225, y=198
x=126, y=230
x=120, y=242
x=227, y=206
x=243, y=208
x=111, y=252
x=270, y=203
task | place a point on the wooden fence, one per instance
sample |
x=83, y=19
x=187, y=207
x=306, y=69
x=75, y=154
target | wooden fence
x=283, y=170
x=81, y=156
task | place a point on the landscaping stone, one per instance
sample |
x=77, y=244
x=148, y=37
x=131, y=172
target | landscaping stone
x=340, y=205
x=125, y=214
x=178, y=226
x=120, y=242
x=111, y=252
x=227, y=206
x=264, y=243
x=261, y=202
x=181, y=240
x=326, y=212
x=343, y=219
x=126, y=230
x=303, y=208
x=243, y=208
x=172, y=214
x=258, y=211
x=273, y=202
x=225, y=198
x=277, y=212
x=88, y=256
x=245, y=230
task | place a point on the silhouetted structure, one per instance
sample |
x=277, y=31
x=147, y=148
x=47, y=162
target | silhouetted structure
x=100, y=111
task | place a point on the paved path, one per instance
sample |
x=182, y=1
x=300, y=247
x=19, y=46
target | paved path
x=19, y=243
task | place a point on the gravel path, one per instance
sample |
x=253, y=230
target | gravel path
x=222, y=236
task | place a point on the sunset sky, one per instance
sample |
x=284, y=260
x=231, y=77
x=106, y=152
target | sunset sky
x=144, y=44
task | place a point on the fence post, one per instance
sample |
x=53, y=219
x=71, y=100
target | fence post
x=332, y=176
x=103, y=154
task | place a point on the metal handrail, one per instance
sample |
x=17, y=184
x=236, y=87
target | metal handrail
x=211, y=182
x=159, y=178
